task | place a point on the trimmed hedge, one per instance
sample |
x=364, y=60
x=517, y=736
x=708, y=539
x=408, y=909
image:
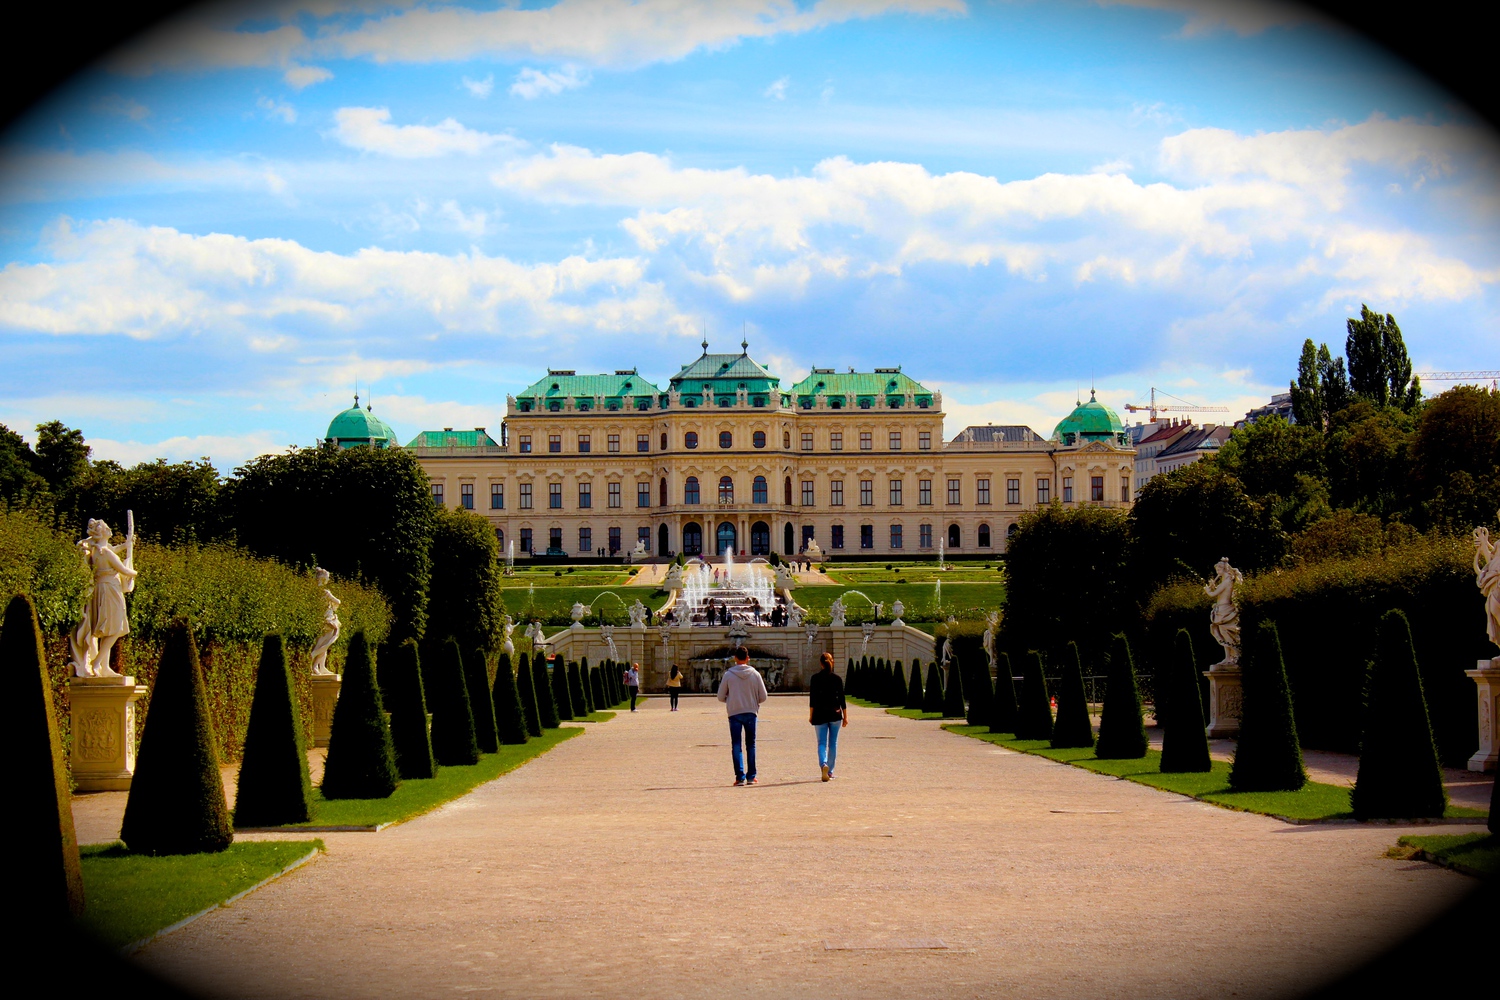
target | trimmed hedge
x=1399, y=777
x=1034, y=717
x=1003, y=708
x=361, y=760
x=453, y=740
x=980, y=692
x=526, y=692
x=481, y=704
x=541, y=685
x=596, y=688
x=1268, y=757
x=274, y=788
x=176, y=803
x=914, y=687
x=953, y=691
x=1179, y=710
x=407, y=702
x=561, y=696
x=576, y=692
x=510, y=718
x=1072, y=728
x=932, y=692
x=1122, y=730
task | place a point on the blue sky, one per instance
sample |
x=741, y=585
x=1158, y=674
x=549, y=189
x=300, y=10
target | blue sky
x=208, y=238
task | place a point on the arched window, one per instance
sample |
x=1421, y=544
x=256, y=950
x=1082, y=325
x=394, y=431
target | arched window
x=760, y=539
x=788, y=500
x=690, y=439
x=726, y=539
x=663, y=440
x=1011, y=531
x=758, y=493
x=984, y=536
x=500, y=537
x=786, y=439
x=692, y=539
x=726, y=489
x=789, y=540
x=663, y=492
x=663, y=541
x=726, y=439
x=759, y=439
x=953, y=536
x=690, y=490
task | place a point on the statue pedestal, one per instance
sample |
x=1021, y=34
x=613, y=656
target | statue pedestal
x=103, y=721
x=1487, y=679
x=1226, y=698
x=325, y=694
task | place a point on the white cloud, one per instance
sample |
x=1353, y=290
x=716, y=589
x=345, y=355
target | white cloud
x=473, y=224
x=533, y=83
x=227, y=451
x=305, y=76
x=277, y=109
x=125, y=107
x=480, y=88
x=370, y=130
x=778, y=89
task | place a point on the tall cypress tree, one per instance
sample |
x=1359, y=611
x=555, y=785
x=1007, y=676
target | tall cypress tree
x=953, y=691
x=1072, y=728
x=406, y=699
x=176, y=803
x=576, y=693
x=1034, y=717
x=541, y=683
x=45, y=882
x=1184, y=738
x=361, y=760
x=561, y=694
x=1003, y=710
x=1399, y=775
x=526, y=691
x=596, y=679
x=510, y=717
x=477, y=681
x=274, y=787
x=932, y=691
x=980, y=690
x=1268, y=757
x=914, y=687
x=453, y=740
x=1122, y=730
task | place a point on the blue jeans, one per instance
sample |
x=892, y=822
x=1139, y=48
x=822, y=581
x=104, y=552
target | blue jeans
x=828, y=743
x=745, y=722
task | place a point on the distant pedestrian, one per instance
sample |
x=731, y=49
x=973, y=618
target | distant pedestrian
x=633, y=682
x=828, y=713
x=674, y=685
x=742, y=691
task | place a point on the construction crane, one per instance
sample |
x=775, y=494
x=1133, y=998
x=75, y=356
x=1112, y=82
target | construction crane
x=1459, y=376
x=1153, y=407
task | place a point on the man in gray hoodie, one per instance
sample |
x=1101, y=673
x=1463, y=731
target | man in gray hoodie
x=742, y=691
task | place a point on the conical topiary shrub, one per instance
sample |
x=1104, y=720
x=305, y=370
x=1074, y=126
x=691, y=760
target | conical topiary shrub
x=596, y=679
x=953, y=691
x=274, y=788
x=979, y=690
x=932, y=691
x=1269, y=756
x=45, y=881
x=405, y=698
x=616, y=678
x=1003, y=709
x=894, y=684
x=1122, y=731
x=851, y=679
x=541, y=683
x=1399, y=775
x=526, y=692
x=607, y=673
x=914, y=687
x=453, y=740
x=1072, y=728
x=1184, y=738
x=577, y=693
x=477, y=681
x=1034, y=715
x=510, y=718
x=561, y=694
x=361, y=760
x=176, y=803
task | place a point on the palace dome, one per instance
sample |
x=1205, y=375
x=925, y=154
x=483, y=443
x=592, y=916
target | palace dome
x=356, y=426
x=1091, y=421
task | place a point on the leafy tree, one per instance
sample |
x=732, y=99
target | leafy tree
x=454, y=741
x=1003, y=709
x=1399, y=776
x=274, y=788
x=1184, y=742
x=1185, y=520
x=546, y=702
x=1281, y=466
x=1072, y=728
x=510, y=715
x=1455, y=458
x=464, y=595
x=1268, y=757
x=526, y=692
x=173, y=503
x=481, y=704
x=406, y=698
x=1333, y=379
x=932, y=691
x=1034, y=718
x=176, y=803
x=1367, y=454
x=18, y=475
x=1122, y=730
x=46, y=882
x=62, y=458
x=361, y=760
x=1307, y=390
x=1344, y=535
x=1379, y=368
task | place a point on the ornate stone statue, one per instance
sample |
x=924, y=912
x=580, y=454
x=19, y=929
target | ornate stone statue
x=784, y=578
x=812, y=633
x=1487, y=576
x=866, y=633
x=813, y=552
x=637, y=615
x=508, y=626
x=578, y=613
x=1224, y=619
x=836, y=610
x=794, y=615
x=665, y=631
x=104, y=619
x=674, y=579
x=331, y=625
x=535, y=634
x=897, y=610
x=992, y=621
x=607, y=633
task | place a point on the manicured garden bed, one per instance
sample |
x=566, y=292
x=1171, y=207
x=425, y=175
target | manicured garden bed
x=556, y=602
x=130, y=897
x=1470, y=853
x=917, y=598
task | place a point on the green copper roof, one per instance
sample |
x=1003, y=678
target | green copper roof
x=560, y=385
x=882, y=382
x=723, y=373
x=477, y=438
x=1093, y=420
x=356, y=426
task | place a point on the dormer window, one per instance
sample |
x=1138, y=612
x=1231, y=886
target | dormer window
x=554, y=406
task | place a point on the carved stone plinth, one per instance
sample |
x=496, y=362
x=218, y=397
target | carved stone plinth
x=325, y=694
x=1487, y=679
x=103, y=721
x=1226, y=700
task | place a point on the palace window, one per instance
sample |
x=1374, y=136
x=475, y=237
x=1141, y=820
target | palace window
x=1044, y=490
x=554, y=496
x=726, y=489
x=525, y=496
x=643, y=442
x=554, y=444
x=895, y=492
x=526, y=540
x=614, y=442
x=1096, y=488
x=786, y=489
x=895, y=536
x=614, y=495
x=583, y=444
x=586, y=540
x=690, y=490
x=786, y=439
x=525, y=444
x=836, y=536
x=924, y=492
x=585, y=496
x=807, y=492
x=554, y=540
x=758, y=491
x=663, y=440
x=955, y=494
x=614, y=540
x=643, y=536
x=554, y=406
x=726, y=439
x=643, y=494
x=690, y=439
x=497, y=496
x=437, y=494
x=663, y=491
x=981, y=491
x=866, y=492
x=895, y=440
x=954, y=537
x=924, y=440
x=924, y=536
x=1067, y=489
x=867, y=536
x=836, y=493
x=866, y=440
x=864, y=404
x=836, y=441
x=466, y=496
x=807, y=444
x=1124, y=489
x=758, y=439
x=984, y=536
x=1012, y=491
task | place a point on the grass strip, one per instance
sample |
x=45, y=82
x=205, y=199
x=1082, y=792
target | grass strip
x=1470, y=853
x=132, y=896
x=1313, y=802
x=905, y=713
x=415, y=796
x=601, y=716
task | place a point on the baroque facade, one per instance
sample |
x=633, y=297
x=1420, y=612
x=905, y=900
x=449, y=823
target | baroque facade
x=725, y=459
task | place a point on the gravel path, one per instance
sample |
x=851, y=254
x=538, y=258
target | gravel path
x=623, y=865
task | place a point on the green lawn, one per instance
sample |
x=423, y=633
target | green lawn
x=856, y=574
x=524, y=602
x=918, y=598
x=1472, y=853
x=132, y=896
x=415, y=796
x=571, y=576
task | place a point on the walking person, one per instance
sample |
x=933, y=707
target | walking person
x=827, y=712
x=633, y=684
x=674, y=685
x=742, y=691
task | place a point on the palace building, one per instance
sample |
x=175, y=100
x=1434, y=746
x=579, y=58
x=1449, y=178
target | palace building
x=726, y=459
